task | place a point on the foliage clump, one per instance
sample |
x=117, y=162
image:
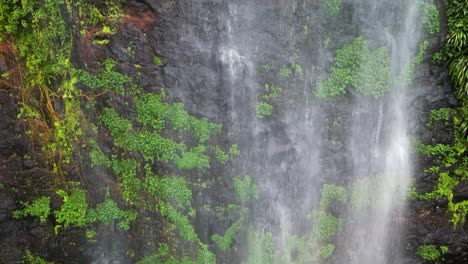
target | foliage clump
x=107, y=80
x=224, y=242
x=430, y=17
x=264, y=108
x=442, y=114
x=332, y=6
x=40, y=207
x=246, y=189
x=431, y=253
x=331, y=193
x=367, y=71
x=31, y=258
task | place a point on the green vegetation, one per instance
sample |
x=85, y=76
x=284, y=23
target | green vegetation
x=325, y=225
x=31, y=258
x=158, y=61
x=331, y=193
x=355, y=65
x=224, y=242
x=430, y=17
x=442, y=114
x=327, y=250
x=451, y=169
x=263, y=107
x=262, y=248
x=107, y=80
x=74, y=209
x=284, y=72
x=108, y=212
x=246, y=189
x=431, y=253
x=332, y=6
x=40, y=207
x=408, y=71
x=456, y=54
x=98, y=158
x=164, y=256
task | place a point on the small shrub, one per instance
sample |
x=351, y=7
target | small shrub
x=40, y=207
x=285, y=72
x=332, y=6
x=331, y=193
x=442, y=114
x=429, y=253
x=263, y=109
x=430, y=17
x=31, y=258
x=326, y=251
x=224, y=242
x=158, y=61
x=245, y=189
x=367, y=71
x=325, y=225
x=74, y=209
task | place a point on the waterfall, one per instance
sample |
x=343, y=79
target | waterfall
x=355, y=143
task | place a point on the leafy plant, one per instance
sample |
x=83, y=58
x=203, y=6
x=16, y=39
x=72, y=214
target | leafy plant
x=40, y=207
x=284, y=72
x=430, y=17
x=31, y=258
x=429, y=253
x=332, y=6
x=224, y=242
x=107, y=80
x=326, y=251
x=325, y=225
x=442, y=114
x=158, y=61
x=355, y=65
x=263, y=109
x=97, y=156
x=331, y=193
x=74, y=209
x=246, y=189
x=108, y=212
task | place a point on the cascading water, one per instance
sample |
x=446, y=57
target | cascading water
x=360, y=142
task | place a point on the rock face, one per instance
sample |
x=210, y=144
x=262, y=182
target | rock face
x=212, y=66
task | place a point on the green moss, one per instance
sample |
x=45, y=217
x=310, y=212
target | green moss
x=40, y=207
